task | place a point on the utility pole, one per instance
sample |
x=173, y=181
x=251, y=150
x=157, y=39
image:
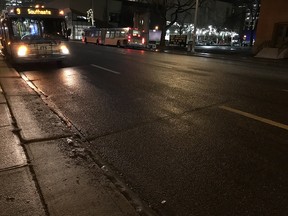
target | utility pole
x=107, y=13
x=92, y=12
x=195, y=27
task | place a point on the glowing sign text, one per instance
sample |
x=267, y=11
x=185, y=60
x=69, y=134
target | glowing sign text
x=18, y=11
x=39, y=12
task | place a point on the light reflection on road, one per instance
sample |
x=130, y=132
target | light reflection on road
x=68, y=77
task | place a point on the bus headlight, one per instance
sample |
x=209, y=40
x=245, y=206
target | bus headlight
x=64, y=50
x=22, y=51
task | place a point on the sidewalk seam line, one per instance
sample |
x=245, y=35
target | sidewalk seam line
x=13, y=167
x=3, y=126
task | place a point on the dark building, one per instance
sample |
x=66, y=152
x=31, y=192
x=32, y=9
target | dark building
x=7, y=3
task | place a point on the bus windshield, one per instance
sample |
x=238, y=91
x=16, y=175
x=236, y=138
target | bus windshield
x=136, y=33
x=35, y=28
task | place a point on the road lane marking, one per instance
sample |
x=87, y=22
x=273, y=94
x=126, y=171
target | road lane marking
x=285, y=90
x=258, y=118
x=106, y=69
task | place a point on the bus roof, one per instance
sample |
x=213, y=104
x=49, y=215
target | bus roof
x=93, y=28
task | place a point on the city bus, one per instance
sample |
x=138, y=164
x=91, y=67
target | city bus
x=34, y=34
x=120, y=37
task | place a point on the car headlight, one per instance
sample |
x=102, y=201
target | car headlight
x=64, y=50
x=22, y=51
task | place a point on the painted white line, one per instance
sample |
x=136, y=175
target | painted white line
x=258, y=118
x=106, y=69
x=285, y=90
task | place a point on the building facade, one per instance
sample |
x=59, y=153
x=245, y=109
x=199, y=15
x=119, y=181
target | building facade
x=272, y=29
x=105, y=12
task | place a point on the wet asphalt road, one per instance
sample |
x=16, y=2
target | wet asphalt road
x=189, y=135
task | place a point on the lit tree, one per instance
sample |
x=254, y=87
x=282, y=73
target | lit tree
x=170, y=10
x=182, y=20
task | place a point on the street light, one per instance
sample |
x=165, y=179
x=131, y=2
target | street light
x=90, y=16
x=90, y=13
x=195, y=26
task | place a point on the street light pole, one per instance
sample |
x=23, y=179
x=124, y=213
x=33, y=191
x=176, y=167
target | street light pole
x=195, y=26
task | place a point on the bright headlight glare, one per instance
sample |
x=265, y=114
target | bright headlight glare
x=22, y=51
x=64, y=50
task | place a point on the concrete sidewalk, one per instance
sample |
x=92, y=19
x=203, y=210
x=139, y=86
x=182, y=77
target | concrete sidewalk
x=44, y=168
x=244, y=56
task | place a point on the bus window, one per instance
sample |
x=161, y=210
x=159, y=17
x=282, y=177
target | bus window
x=5, y=32
x=107, y=34
x=53, y=27
x=112, y=34
x=25, y=27
x=117, y=34
x=135, y=33
x=122, y=34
